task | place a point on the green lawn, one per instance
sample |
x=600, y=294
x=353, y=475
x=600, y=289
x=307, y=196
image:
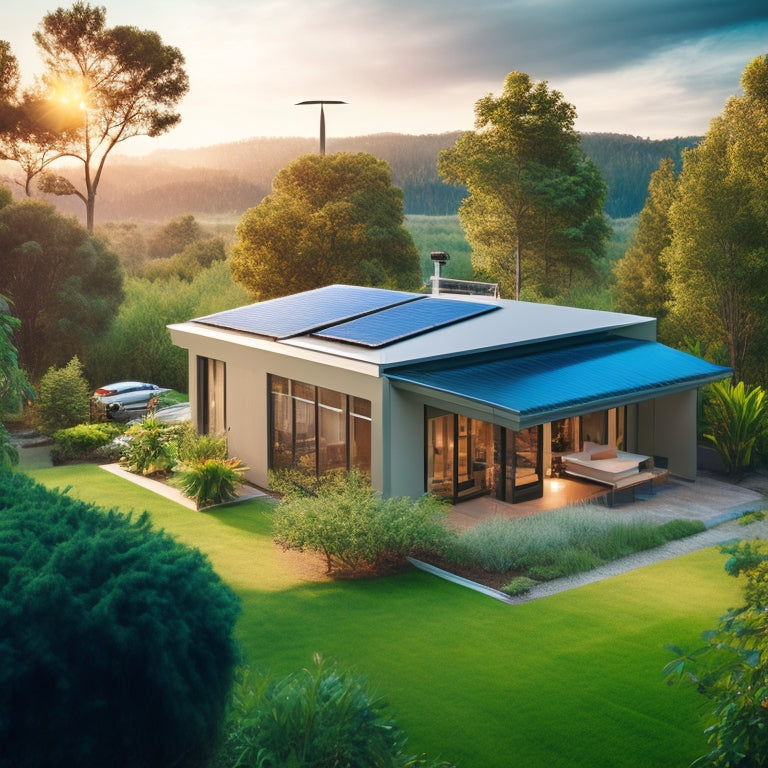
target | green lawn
x=570, y=680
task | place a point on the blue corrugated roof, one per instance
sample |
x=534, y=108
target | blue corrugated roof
x=306, y=312
x=552, y=384
x=404, y=321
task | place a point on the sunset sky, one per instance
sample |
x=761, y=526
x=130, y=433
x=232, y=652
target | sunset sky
x=651, y=68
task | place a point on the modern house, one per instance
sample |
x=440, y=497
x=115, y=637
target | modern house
x=454, y=395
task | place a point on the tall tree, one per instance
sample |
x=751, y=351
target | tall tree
x=63, y=285
x=531, y=193
x=31, y=133
x=642, y=282
x=718, y=257
x=330, y=219
x=112, y=83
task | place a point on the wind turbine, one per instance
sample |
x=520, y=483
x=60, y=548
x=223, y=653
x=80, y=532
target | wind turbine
x=322, y=118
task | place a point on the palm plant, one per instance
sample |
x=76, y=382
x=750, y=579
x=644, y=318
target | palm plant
x=736, y=420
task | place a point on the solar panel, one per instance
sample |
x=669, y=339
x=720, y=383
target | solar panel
x=305, y=312
x=404, y=321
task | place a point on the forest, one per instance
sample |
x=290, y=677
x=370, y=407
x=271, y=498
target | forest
x=230, y=178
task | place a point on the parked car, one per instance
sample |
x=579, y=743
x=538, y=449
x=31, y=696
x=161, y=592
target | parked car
x=124, y=400
x=173, y=414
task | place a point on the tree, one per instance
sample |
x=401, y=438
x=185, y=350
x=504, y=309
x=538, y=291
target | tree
x=14, y=385
x=31, y=133
x=63, y=285
x=731, y=668
x=64, y=397
x=718, y=259
x=531, y=193
x=174, y=237
x=642, y=282
x=118, y=644
x=330, y=219
x=111, y=83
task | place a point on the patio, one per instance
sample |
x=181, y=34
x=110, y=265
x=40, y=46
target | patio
x=707, y=499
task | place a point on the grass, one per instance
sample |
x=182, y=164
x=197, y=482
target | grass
x=566, y=681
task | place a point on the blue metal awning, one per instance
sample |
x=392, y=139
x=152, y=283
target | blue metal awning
x=525, y=390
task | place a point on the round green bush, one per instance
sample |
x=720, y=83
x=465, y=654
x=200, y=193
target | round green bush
x=116, y=641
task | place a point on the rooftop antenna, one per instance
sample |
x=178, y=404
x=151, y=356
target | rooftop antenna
x=322, y=117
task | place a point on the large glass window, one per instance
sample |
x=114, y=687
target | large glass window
x=467, y=457
x=211, y=403
x=360, y=434
x=317, y=429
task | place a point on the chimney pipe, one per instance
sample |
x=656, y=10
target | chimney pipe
x=440, y=258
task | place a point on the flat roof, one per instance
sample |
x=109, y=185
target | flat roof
x=386, y=328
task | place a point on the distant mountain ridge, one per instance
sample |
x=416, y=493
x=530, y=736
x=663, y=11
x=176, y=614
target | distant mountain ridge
x=230, y=178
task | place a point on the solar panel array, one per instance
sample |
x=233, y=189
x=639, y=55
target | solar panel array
x=404, y=321
x=306, y=312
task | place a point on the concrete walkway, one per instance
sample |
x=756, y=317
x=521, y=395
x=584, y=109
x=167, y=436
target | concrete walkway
x=174, y=494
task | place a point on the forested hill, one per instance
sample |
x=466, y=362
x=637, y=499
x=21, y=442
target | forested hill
x=229, y=178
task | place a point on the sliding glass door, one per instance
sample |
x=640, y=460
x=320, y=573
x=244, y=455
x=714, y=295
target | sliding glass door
x=468, y=457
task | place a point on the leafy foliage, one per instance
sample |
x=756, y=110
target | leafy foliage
x=562, y=542
x=736, y=421
x=642, y=282
x=63, y=285
x=117, y=643
x=533, y=198
x=717, y=259
x=330, y=219
x=117, y=83
x=209, y=481
x=320, y=717
x=82, y=440
x=9, y=453
x=731, y=668
x=138, y=344
x=64, y=398
x=341, y=516
x=14, y=385
x=152, y=448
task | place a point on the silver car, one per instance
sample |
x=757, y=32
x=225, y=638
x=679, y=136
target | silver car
x=124, y=400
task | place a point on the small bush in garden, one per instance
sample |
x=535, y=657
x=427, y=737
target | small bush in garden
x=209, y=481
x=356, y=529
x=152, y=448
x=312, y=719
x=752, y=517
x=82, y=440
x=63, y=398
x=203, y=448
x=519, y=586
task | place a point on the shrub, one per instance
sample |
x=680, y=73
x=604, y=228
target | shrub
x=563, y=542
x=63, y=398
x=117, y=641
x=152, y=448
x=317, y=718
x=519, y=586
x=730, y=668
x=736, y=419
x=343, y=518
x=82, y=440
x=209, y=481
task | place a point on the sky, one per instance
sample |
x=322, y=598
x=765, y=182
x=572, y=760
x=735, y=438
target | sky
x=650, y=68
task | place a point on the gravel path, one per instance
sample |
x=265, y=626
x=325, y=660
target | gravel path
x=716, y=536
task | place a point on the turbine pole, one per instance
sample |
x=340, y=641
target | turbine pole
x=321, y=102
